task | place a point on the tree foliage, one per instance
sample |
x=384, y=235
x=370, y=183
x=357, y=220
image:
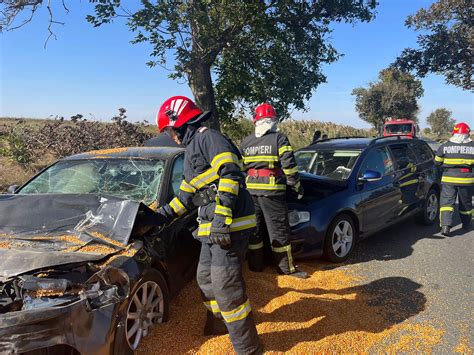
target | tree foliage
x=394, y=95
x=445, y=47
x=441, y=122
x=233, y=54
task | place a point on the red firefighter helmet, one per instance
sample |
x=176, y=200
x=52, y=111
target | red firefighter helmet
x=264, y=111
x=176, y=111
x=461, y=128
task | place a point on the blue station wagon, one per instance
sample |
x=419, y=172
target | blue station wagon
x=355, y=187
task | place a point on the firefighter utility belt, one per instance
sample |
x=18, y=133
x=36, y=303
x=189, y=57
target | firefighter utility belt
x=265, y=172
x=205, y=196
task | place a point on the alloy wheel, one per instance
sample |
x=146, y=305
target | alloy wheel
x=342, y=238
x=145, y=309
x=432, y=207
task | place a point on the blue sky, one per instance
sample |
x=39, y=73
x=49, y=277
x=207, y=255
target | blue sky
x=94, y=71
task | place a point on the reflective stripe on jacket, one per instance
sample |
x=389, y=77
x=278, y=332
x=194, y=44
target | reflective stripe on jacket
x=457, y=161
x=211, y=158
x=271, y=151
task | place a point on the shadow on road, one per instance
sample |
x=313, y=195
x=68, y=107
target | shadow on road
x=321, y=314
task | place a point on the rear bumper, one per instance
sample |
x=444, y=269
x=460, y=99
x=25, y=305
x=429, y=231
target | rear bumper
x=87, y=331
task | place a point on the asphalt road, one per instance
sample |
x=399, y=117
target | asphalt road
x=434, y=272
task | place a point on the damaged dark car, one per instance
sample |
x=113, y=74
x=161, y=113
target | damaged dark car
x=80, y=271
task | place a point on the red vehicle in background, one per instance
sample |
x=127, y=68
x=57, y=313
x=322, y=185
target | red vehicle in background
x=400, y=127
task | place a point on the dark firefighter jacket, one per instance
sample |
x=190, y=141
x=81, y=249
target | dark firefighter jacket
x=212, y=159
x=457, y=161
x=271, y=151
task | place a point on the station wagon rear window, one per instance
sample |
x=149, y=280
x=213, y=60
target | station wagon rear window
x=335, y=164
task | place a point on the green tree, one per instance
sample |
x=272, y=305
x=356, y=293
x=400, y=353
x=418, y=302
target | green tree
x=395, y=95
x=427, y=131
x=236, y=54
x=441, y=121
x=445, y=47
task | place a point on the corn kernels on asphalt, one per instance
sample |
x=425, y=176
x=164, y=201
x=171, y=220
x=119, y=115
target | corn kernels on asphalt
x=332, y=312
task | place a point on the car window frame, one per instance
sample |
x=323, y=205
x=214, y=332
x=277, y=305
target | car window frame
x=167, y=193
x=173, y=165
x=314, y=156
x=395, y=160
x=369, y=150
x=421, y=142
x=311, y=161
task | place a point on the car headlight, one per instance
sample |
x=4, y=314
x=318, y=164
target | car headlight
x=298, y=217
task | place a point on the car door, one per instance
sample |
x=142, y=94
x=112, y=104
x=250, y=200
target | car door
x=407, y=177
x=378, y=199
x=428, y=173
x=176, y=243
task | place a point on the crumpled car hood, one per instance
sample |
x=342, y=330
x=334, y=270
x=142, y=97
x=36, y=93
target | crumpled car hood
x=42, y=230
x=17, y=262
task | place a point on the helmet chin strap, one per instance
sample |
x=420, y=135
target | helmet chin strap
x=181, y=131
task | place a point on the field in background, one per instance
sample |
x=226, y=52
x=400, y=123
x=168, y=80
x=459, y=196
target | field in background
x=28, y=145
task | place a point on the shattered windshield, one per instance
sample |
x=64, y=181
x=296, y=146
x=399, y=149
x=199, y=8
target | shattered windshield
x=131, y=178
x=333, y=164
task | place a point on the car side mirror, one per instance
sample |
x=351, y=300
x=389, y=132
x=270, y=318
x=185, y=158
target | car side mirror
x=370, y=176
x=12, y=189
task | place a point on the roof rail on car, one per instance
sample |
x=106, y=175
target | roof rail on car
x=397, y=137
x=345, y=137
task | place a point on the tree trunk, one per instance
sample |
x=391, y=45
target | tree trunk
x=200, y=82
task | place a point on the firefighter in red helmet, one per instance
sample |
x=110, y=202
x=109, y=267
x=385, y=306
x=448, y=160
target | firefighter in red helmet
x=457, y=160
x=214, y=182
x=271, y=167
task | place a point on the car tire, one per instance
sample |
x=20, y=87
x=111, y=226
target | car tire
x=429, y=209
x=340, y=239
x=136, y=323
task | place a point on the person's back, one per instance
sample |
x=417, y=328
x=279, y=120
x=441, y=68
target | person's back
x=456, y=157
x=271, y=166
x=456, y=160
x=268, y=152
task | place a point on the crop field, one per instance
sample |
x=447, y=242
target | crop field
x=29, y=145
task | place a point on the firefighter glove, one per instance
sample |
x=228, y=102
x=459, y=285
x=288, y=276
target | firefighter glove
x=148, y=220
x=298, y=189
x=160, y=218
x=220, y=236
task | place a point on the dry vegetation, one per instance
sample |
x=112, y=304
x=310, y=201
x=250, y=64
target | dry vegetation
x=300, y=133
x=29, y=145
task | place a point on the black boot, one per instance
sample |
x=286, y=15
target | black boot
x=255, y=268
x=256, y=260
x=466, y=226
x=445, y=230
x=214, y=326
